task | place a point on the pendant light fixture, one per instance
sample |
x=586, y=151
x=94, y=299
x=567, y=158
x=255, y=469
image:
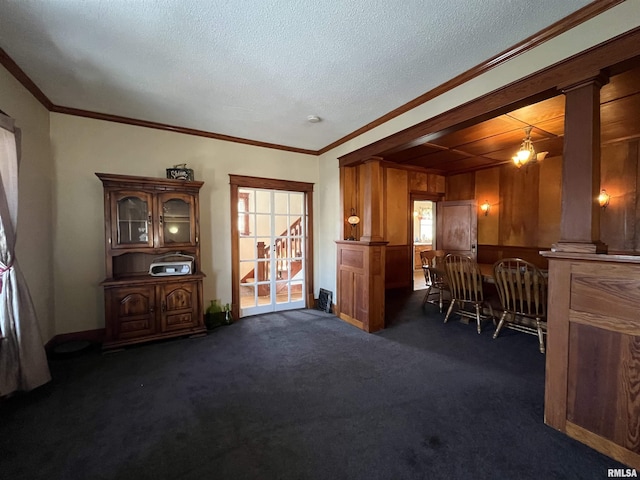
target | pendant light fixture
x=526, y=152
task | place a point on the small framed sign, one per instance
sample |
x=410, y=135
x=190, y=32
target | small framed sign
x=180, y=172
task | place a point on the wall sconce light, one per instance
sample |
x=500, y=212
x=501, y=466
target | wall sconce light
x=485, y=207
x=603, y=198
x=353, y=220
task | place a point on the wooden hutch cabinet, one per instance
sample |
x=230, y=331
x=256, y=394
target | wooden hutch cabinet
x=148, y=220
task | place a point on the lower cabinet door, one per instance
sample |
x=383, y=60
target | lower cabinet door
x=179, y=306
x=132, y=312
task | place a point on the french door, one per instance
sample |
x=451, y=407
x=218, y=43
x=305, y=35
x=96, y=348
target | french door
x=271, y=249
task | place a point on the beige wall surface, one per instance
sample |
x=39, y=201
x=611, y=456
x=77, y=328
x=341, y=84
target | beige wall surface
x=34, y=236
x=84, y=146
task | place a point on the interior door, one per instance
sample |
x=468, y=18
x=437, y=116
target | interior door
x=271, y=250
x=457, y=227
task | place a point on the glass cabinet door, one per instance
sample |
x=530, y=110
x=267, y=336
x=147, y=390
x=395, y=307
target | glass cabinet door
x=177, y=225
x=131, y=226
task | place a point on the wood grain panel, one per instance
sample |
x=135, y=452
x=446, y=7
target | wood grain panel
x=348, y=197
x=519, y=202
x=555, y=391
x=361, y=297
x=437, y=184
x=480, y=131
x=619, y=176
x=624, y=326
x=607, y=295
x=398, y=266
x=461, y=187
x=351, y=258
x=593, y=373
x=438, y=159
x=603, y=445
x=625, y=84
x=397, y=206
x=604, y=384
x=346, y=292
x=409, y=154
x=418, y=181
x=554, y=126
x=488, y=189
x=549, y=201
x=550, y=109
x=617, y=115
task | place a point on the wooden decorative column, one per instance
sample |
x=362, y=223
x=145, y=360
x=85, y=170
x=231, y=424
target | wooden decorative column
x=361, y=264
x=373, y=214
x=580, y=222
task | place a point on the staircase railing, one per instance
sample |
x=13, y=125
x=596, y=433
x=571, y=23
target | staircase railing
x=287, y=245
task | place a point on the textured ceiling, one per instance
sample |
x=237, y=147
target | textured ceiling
x=256, y=70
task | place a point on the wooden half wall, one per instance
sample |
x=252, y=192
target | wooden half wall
x=593, y=352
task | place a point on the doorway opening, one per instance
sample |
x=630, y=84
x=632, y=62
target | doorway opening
x=423, y=235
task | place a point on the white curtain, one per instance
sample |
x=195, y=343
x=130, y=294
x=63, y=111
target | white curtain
x=23, y=362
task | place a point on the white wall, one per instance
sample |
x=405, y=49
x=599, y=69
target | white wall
x=84, y=146
x=609, y=24
x=34, y=236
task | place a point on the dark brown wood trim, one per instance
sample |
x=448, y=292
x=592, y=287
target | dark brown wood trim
x=586, y=13
x=270, y=183
x=235, y=253
x=535, y=87
x=172, y=128
x=7, y=62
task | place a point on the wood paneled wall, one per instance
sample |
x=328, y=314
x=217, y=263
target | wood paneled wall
x=525, y=203
x=399, y=184
x=397, y=213
x=620, y=177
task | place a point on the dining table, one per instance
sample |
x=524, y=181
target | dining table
x=486, y=270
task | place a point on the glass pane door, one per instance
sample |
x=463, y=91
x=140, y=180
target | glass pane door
x=133, y=221
x=177, y=222
x=272, y=226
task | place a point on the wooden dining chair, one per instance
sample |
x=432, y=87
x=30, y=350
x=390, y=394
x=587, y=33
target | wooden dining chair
x=465, y=284
x=434, y=276
x=522, y=289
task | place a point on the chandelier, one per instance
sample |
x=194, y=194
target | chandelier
x=526, y=152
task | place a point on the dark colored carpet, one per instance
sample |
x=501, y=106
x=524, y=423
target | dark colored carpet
x=299, y=395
